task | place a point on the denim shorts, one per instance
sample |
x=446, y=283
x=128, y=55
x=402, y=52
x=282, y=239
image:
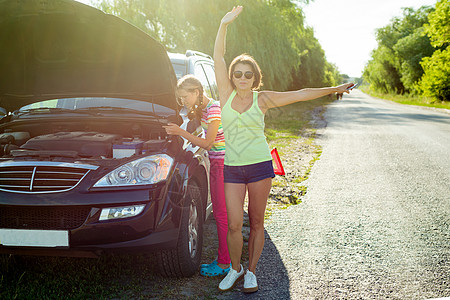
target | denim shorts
x=248, y=173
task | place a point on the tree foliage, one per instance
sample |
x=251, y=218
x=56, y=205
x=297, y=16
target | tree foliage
x=381, y=71
x=438, y=28
x=395, y=64
x=436, y=79
x=272, y=31
x=411, y=49
x=412, y=54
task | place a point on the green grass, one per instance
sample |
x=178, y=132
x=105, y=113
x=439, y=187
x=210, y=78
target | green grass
x=289, y=122
x=317, y=153
x=409, y=99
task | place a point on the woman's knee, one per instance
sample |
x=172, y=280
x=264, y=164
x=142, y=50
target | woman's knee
x=234, y=227
x=256, y=223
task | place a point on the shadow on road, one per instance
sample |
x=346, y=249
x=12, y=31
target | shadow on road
x=271, y=274
x=273, y=280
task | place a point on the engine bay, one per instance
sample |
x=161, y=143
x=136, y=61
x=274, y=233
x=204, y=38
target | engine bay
x=81, y=140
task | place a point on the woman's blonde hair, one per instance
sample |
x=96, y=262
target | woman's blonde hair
x=248, y=60
x=190, y=83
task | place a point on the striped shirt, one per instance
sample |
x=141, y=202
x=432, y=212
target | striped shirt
x=212, y=113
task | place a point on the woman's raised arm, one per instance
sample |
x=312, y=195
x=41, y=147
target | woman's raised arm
x=270, y=99
x=223, y=81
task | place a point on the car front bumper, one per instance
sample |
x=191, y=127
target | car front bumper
x=75, y=230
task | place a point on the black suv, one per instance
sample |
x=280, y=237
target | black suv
x=85, y=164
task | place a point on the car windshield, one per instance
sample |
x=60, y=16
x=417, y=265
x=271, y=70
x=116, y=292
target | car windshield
x=101, y=103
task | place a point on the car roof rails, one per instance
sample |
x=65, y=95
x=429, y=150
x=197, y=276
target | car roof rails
x=197, y=53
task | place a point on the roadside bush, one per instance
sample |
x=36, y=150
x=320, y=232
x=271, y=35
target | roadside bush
x=436, y=79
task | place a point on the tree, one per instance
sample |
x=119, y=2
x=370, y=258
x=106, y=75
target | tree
x=272, y=31
x=381, y=73
x=410, y=50
x=438, y=28
x=436, y=79
x=395, y=64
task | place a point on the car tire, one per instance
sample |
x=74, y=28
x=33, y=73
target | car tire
x=184, y=260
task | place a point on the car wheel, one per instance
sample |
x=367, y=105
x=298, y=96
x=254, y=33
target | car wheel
x=184, y=261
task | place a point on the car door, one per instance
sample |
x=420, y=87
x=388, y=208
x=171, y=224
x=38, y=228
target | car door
x=211, y=77
x=200, y=73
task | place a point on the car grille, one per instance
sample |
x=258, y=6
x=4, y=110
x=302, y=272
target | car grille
x=47, y=218
x=32, y=179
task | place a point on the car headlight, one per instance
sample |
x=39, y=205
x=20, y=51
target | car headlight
x=147, y=170
x=121, y=212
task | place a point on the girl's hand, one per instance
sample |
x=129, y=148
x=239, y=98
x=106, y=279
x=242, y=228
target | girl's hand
x=231, y=15
x=343, y=88
x=173, y=129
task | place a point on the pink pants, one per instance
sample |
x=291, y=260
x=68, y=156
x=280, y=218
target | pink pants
x=219, y=208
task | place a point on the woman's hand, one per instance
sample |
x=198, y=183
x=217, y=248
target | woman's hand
x=220, y=66
x=231, y=15
x=173, y=129
x=343, y=88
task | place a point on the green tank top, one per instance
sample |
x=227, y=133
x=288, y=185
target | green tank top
x=244, y=134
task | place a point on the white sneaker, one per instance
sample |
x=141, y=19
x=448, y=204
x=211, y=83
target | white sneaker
x=231, y=279
x=250, y=284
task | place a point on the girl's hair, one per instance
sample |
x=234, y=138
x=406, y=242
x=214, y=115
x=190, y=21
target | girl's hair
x=248, y=60
x=190, y=83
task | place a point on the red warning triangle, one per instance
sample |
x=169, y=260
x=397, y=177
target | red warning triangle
x=279, y=170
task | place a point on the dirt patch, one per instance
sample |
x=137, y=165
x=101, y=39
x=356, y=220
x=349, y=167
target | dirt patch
x=297, y=156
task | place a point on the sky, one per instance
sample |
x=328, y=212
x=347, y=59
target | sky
x=346, y=28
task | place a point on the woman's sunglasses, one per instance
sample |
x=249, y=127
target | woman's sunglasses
x=238, y=74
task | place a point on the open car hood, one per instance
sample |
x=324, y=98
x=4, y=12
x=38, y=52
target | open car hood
x=62, y=48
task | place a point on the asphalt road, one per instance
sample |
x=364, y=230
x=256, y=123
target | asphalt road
x=374, y=223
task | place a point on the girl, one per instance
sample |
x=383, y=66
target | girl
x=190, y=92
x=248, y=163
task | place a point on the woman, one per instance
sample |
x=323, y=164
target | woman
x=190, y=92
x=248, y=165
